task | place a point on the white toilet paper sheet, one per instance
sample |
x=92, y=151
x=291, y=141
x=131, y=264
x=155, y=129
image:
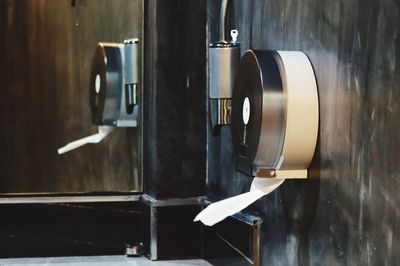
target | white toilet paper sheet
x=218, y=211
x=103, y=131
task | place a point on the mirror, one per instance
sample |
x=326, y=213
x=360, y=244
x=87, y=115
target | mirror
x=46, y=52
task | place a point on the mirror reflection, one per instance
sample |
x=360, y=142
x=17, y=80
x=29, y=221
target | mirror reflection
x=46, y=56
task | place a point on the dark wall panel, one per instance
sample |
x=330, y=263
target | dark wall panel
x=47, y=48
x=348, y=211
x=175, y=85
x=69, y=229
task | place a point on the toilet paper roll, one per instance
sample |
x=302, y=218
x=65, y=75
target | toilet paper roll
x=218, y=211
x=95, y=138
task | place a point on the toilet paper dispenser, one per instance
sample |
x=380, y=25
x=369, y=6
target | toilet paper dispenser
x=275, y=114
x=114, y=84
x=270, y=99
x=274, y=125
x=113, y=90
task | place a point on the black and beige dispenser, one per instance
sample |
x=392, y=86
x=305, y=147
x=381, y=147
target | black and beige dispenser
x=274, y=125
x=270, y=98
x=274, y=114
x=114, y=86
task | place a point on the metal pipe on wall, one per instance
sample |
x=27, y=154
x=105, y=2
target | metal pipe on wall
x=222, y=20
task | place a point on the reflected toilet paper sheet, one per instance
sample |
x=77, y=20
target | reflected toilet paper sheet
x=219, y=210
x=95, y=138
